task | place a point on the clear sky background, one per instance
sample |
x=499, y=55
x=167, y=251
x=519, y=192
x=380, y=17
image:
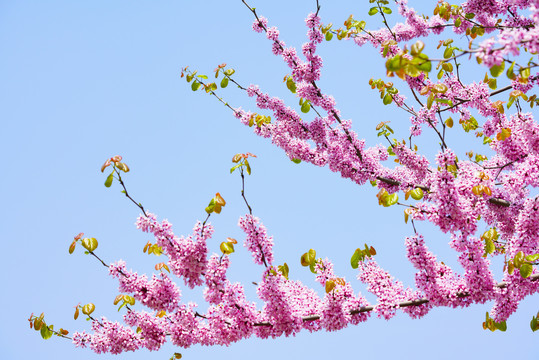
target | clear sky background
x=81, y=81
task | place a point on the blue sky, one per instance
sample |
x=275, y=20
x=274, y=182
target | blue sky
x=82, y=81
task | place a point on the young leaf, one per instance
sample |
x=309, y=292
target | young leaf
x=88, y=309
x=417, y=194
x=227, y=248
x=526, y=270
x=330, y=285
x=356, y=257
x=108, y=181
x=224, y=82
x=46, y=333
x=373, y=11
x=89, y=244
x=305, y=107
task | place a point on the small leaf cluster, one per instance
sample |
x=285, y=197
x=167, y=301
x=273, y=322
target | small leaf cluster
x=469, y=124
x=160, y=266
x=198, y=84
x=125, y=299
x=152, y=249
x=401, y=65
x=227, y=247
x=117, y=165
x=478, y=157
x=241, y=163
x=331, y=283
x=226, y=72
x=176, y=355
x=259, y=120
x=435, y=92
x=90, y=244
x=46, y=331
x=482, y=189
x=216, y=204
x=361, y=254
x=524, y=263
x=492, y=325
x=490, y=237
x=386, y=90
x=87, y=309
x=282, y=269
x=309, y=259
x=386, y=199
x=353, y=27
x=379, y=8
x=384, y=130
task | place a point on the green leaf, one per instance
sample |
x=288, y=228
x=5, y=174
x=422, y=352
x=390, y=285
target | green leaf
x=519, y=259
x=502, y=326
x=448, y=52
x=195, y=85
x=424, y=65
x=88, y=309
x=108, y=181
x=356, y=257
x=440, y=74
x=305, y=107
x=490, y=234
x=489, y=246
x=296, y=161
x=417, y=194
x=305, y=260
x=525, y=73
x=283, y=269
x=229, y=72
x=224, y=82
x=447, y=67
x=388, y=99
x=430, y=100
x=234, y=168
x=510, y=74
x=391, y=199
x=533, y=324
x=247, y=167
x=202, y=76
x=373, y=10
x=386, y=10
x=330, y=285
x=226, y=247
x=291, y=85
x=526, y=270
x=329, y=36
x=129, y=299
x=89, y=244
x=496, y=70
x=46, y=333
x=532, y=258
